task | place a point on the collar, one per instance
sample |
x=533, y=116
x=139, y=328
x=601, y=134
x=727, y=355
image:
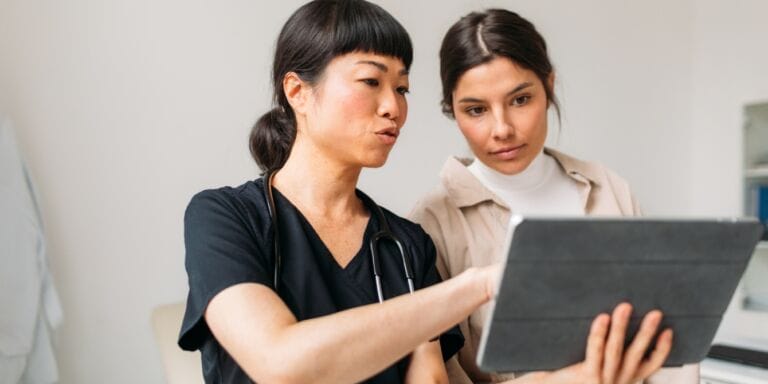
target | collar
x=466, y=190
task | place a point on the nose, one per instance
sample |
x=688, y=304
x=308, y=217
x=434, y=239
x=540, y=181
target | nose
x=503, y=127
x=389, y=106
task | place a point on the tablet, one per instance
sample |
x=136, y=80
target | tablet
x=562, y=272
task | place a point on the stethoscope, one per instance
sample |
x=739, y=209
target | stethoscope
x=384, y=233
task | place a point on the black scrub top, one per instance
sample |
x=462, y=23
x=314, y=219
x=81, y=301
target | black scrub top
x=228, y=238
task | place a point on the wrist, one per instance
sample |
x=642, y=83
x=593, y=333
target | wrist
x=479, y=281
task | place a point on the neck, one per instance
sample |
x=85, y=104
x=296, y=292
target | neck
x=318, y=185
x=529, y=178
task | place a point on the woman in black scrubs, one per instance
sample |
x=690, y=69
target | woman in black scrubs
x=340, y=77
x=281, y=269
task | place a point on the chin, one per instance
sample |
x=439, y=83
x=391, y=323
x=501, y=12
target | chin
x=510, y=171
x=511, y=167
x=374, y=159
x=375, y=164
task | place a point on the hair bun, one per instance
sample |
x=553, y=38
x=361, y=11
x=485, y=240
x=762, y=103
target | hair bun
x=271, y=139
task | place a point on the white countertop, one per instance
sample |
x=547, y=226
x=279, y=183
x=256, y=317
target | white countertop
x=732, y=372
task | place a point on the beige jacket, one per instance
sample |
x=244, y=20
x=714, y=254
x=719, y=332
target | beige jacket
x=468, y=224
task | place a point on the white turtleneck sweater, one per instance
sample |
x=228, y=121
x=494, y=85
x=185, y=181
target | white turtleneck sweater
x=542, y=189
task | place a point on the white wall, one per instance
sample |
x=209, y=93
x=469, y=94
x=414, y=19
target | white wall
x=730, y=70
x=125, y=109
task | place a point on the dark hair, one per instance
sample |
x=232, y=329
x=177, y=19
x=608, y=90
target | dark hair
x=315, y=34
x=479, y=37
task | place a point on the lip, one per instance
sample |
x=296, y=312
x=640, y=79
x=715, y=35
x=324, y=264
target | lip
x=388, y=135
x=508, y=153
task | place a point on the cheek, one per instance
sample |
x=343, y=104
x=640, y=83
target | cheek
x=474, y=132
x=533, y=124
x=356, y=103
x=340, y=101
x=541, y=127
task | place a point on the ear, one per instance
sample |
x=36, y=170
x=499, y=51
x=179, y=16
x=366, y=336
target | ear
x=551, y=81
x=297, y=92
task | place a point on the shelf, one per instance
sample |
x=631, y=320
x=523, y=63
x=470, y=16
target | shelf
x=755, y=183
x=718, y=371
x=760, y=172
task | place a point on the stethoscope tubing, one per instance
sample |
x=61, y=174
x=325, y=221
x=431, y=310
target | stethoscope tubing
x=383, y=234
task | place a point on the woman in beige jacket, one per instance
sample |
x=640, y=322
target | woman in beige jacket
x=498, y=86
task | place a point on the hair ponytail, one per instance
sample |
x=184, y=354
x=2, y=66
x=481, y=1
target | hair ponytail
x=271, y=138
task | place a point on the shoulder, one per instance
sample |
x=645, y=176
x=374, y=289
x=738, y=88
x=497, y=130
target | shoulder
x=403, y=226
x=228, y=196
x=245, y=203
x=608, y=185
x=418, y=245
x=412, y=235
x=593, y=171
x=433, y=206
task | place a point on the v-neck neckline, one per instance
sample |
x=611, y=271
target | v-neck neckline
x=358, y=256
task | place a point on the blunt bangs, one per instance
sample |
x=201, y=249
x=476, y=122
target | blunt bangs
x=366, y=27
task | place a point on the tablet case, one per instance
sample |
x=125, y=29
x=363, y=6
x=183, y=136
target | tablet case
x=561, y=273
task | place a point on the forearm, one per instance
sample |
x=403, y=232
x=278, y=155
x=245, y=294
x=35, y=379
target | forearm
x=352, y=345
x=426, y=365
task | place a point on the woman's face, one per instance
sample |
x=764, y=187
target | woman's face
x=357, y=108
x=501, y=108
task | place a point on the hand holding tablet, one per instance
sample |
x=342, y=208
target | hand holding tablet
x=561, y=273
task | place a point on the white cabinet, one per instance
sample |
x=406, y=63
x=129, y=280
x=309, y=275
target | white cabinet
x=755, y=176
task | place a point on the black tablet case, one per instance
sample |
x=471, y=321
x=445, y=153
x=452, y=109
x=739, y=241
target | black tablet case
x=561, y=273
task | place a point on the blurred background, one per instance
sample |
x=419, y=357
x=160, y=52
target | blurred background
x=124, y=109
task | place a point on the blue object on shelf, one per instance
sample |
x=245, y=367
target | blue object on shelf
x=762, y=208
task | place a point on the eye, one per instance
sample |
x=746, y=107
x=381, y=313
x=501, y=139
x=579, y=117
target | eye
x=371, y=82
x=475, y=110
x=521, y=100
x=403, y=90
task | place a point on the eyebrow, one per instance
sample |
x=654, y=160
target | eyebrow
x=381, y=66
x=512, y=92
